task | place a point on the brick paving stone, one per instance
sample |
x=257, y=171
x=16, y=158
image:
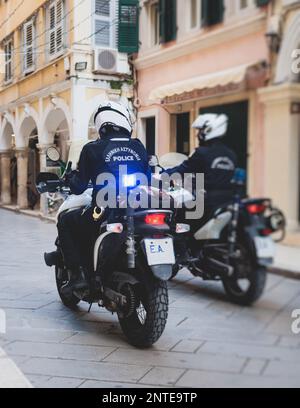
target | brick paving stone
x=84, y=369
x=162, y=376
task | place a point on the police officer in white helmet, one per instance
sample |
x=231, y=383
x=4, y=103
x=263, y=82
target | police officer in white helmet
x=105, y=155
x=213, y=158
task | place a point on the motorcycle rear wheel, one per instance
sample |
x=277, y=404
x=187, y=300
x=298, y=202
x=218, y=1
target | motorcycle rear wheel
x=146, y=323
x=256, y=276
x=62, y=279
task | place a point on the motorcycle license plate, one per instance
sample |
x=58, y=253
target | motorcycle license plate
x=160, y=251
x=265, y=247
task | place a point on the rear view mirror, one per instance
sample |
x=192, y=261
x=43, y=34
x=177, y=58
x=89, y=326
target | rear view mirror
x=153, y=161
x=53, y=154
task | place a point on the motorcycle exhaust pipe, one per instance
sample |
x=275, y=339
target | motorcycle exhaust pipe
x=52, y=258
x=219, y=267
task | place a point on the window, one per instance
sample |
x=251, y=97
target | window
x=8, y=48
x=244, y=5
x=212, y=12
x=56, y=28
x=154, y=18
x=168, y=20
x=28, y=47
x=105, y=23
x=194, y=13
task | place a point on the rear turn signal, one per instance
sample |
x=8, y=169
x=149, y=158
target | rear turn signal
x=155, y=219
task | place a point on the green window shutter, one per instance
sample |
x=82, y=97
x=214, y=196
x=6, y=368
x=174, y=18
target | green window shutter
x=168, y=20
x=212, y=12
x=261, y=3
x=128, y=26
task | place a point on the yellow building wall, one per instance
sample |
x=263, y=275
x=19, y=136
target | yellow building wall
x=16, y=15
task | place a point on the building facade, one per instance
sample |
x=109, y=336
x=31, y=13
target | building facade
x=59, y=60
x=199, y=56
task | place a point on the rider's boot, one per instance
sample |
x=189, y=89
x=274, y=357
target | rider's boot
x=77, y=280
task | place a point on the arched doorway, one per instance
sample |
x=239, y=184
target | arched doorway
x=28, y=135
x=55, y=131
x=9, y=169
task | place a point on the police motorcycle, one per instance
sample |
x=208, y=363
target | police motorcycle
x=234, y=244
x=139, y=245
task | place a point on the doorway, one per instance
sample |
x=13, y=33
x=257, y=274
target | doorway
x=183, y=133
x=33, y=170
x=150, y=136
x=237, y=134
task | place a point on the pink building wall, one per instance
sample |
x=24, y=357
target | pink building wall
x=214, y=59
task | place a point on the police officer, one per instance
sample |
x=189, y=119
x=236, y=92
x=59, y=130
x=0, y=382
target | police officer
x=213, y=158
x=115, y=147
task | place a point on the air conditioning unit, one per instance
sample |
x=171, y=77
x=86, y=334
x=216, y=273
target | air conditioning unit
x=108, y=61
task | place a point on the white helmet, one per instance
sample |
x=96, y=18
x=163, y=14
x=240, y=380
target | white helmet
x=113, y=114
x=211, y=126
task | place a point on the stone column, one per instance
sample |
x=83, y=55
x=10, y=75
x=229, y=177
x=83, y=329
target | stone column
x=5, y=157
x=43, y=168
x=281, y=139
x=22, y=162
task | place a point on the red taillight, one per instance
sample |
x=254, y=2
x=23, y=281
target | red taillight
x=256, y=208
x=155, y=219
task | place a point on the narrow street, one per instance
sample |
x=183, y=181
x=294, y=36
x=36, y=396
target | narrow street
x=208, y=342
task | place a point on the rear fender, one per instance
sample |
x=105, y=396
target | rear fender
x=250, y=233
x=162, y=272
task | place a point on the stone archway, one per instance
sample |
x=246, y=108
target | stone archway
x=56, y=129
x=291, y=42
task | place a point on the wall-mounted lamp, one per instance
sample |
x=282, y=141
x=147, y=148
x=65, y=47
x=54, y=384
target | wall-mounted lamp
x=273, y=34
x=81, y=66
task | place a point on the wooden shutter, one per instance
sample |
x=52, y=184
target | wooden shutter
x=28, y=36
x=59, y=25
x=103, y=23
x=212, y=12
x=168, y=20
x=8, y=60
x=56, y=27
x=52, y=26
x=128, y=26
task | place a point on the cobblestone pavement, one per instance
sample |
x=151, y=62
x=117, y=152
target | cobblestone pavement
x=208, y=342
